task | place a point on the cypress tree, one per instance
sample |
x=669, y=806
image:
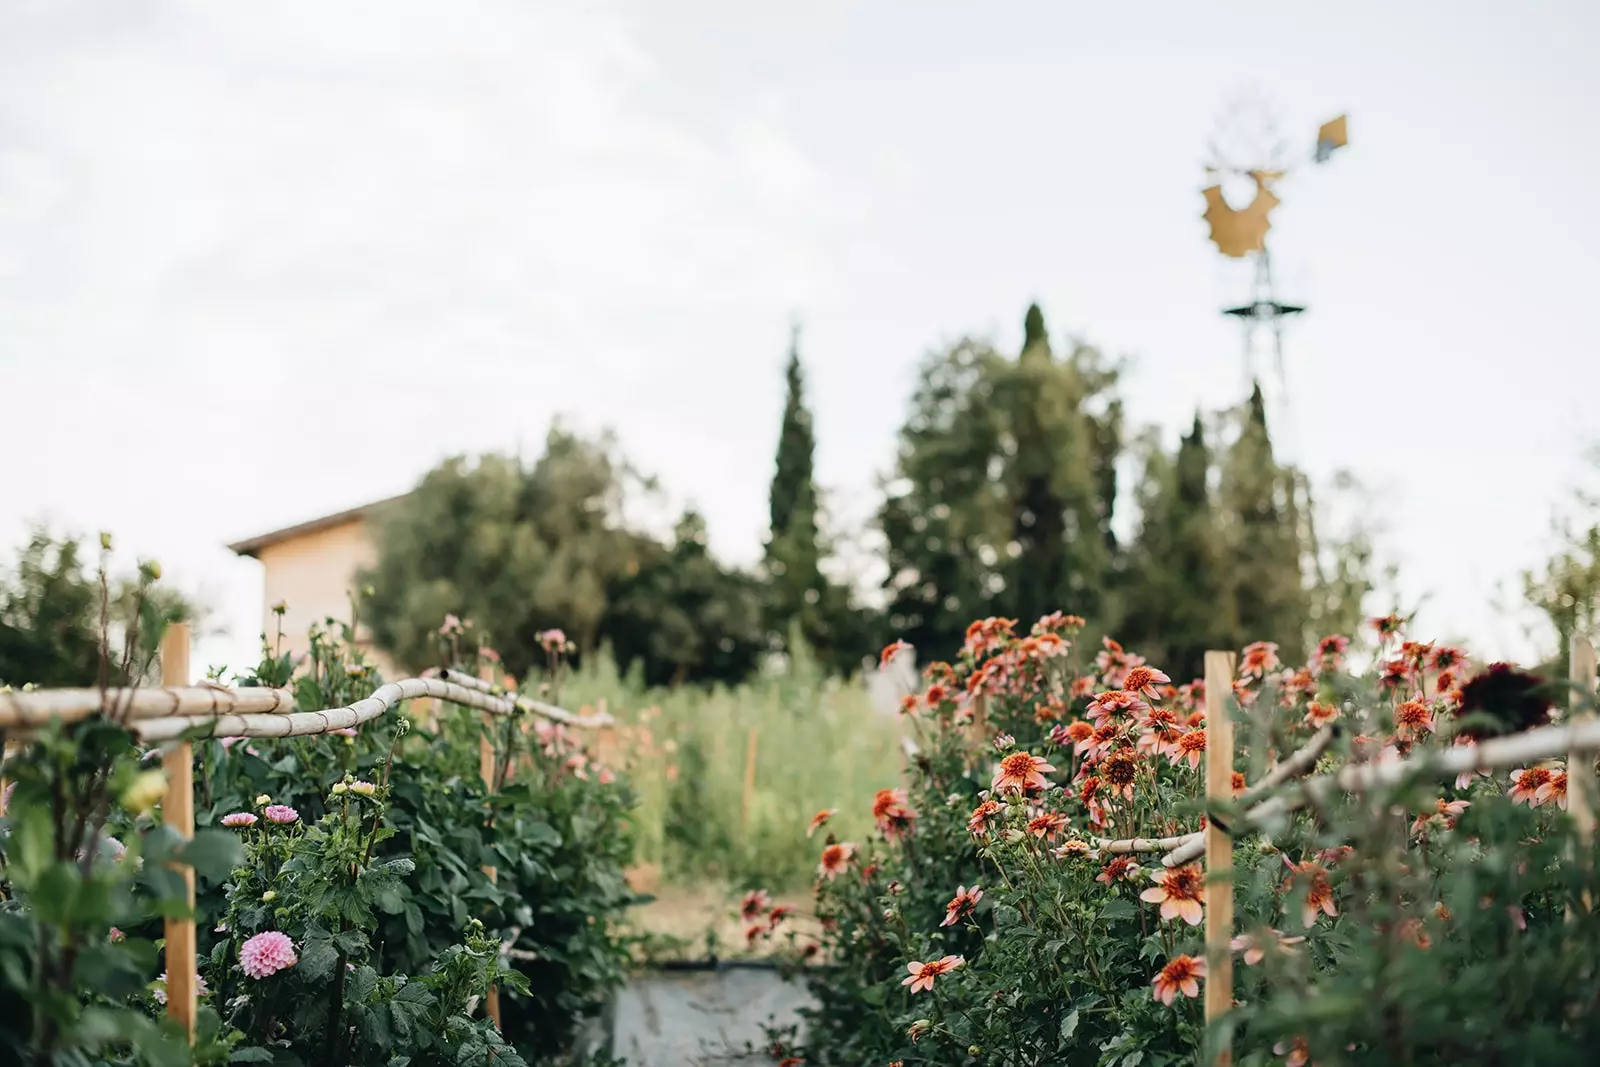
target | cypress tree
x=1039, y=513
x=1265, y=553
x=1177, y=599
x=793, y=495
x=794, y=553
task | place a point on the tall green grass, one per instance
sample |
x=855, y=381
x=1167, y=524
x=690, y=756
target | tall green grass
x=820, y=743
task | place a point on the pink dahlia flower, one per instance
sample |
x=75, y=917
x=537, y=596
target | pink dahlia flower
x=266, y=954
x=281, y=813
x=238, y=820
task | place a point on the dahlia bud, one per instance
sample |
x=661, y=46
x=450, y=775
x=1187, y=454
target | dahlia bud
x=145, y=791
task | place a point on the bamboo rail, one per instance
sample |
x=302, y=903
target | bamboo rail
x=1531, y=746
x=530, y=705
x=34, y=708
x=165, y=714
x=1296, y=764
x=174, y=713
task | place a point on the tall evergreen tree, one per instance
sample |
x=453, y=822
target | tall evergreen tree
x=1264, y=511
x=792, y=499
x=794, y=552
x=1176, y=599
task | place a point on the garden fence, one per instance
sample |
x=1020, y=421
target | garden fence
x=177, y=712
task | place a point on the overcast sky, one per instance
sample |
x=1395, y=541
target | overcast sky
x=260, y=262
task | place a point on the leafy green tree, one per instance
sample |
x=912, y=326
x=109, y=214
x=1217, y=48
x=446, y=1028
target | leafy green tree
x=518, y=549
x=515, y=549
x=1004, y=488
x=50, y=614
x=1565, y=590
x=682, y=616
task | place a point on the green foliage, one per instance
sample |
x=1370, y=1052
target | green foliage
x=798, y=594
x=817, y=738
x=1265, y=546
x=51, y=622
x=683, y=616
x=1174, y=603
x=323, y=887
x=1565, y=590
x=1232, y=546
x=1004, y=488
x=554, y=829
x=1421, y=924
x=518, y=550
x=83, y=886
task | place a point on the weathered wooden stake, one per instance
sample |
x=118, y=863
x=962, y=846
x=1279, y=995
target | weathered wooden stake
x=486, y=766
x=178, y=812
x=1580, y=765
x=1219, y=846
x=1580, y=762
x=749, y=780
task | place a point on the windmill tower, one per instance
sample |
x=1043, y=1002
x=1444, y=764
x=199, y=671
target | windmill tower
x=1248, y=160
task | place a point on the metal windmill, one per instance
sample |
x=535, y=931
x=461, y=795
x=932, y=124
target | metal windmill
x=1247, y=152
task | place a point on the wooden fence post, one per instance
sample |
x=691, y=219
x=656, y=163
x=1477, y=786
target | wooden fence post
x=486, y=765
x=1219, y=846
x=749, y=781
x=178, y=811
x=1580, y=765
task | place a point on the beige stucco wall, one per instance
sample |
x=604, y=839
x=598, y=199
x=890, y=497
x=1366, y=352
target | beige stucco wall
x=313, y=576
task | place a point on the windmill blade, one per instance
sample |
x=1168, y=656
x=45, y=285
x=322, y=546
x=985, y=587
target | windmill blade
x=1333, y=134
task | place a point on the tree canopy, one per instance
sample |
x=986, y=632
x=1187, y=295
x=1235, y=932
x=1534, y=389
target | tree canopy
x=50, y=613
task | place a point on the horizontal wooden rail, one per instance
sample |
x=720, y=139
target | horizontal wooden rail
x=529, y=705
x=1529, y=747
x=165, y=714
x=34, y=708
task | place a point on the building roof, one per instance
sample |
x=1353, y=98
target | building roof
x=252, y=546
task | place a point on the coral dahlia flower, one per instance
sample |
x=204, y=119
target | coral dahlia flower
x=1259, y=658
x=1021, y=772
x=923, y=974
x=281, y=814
x=238, y=820
x=961, y=905
x=1048, y=825
x=1192, y=747
x=1319, y=715
x=1319, y=894
x=1182, y=974
x=1140, y=679
x=819, y=818
x=1254, y=946
x=1526, y=785
x=1413, y=718
x=835, y=858
x=755, y=903
x=890, y=812
x=266, y=954
x=1180, y=891
x=982, y=816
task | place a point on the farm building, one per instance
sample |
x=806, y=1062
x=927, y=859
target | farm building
x=311, y=568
